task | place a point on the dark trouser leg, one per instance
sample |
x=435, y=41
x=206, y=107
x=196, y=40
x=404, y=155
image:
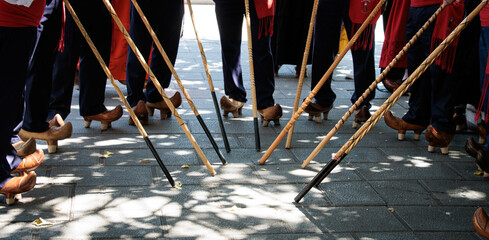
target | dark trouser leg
x=16, y=47
x=38, y=85
x=325, y=45
x=230, y=21
x=168, y=30
x=483, y=54
x=442, y=100
x=419, y=103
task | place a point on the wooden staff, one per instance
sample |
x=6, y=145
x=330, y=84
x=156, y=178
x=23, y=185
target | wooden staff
x=209, y=79
x=119, y=92
x=252, y=77
x=371, y=88
x=158, y=86
x=388, y=104
x=320, y=84
x=303, y=69
x=177, y=78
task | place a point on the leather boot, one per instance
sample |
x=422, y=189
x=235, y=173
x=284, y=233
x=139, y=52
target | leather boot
x=52, y=135
x=141, y=113
x=437, y=138
x=315, y=110
x=165, y=111
x=272, y=113
x=232, y=106
x=25, y=148
x=481, y=222
x=361, y=116
x=29, y=163
x=402, y=126
x=105, y=118
x=18, y=185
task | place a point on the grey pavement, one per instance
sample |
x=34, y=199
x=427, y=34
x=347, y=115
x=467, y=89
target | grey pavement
x=384, y=189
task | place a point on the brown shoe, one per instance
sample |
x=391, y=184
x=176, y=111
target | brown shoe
x=18, y=185
x=481, y=131
x=361, y=116
x=25, y=148
x=232, y=106
x=272, y=113
x=472, y=148
x=165, y=111
x=481, y=222
x=315, y=111
x=437, y=138
x=52, y=135
x=57, y=121
x=105, y=118
x=391, y=85
x=141, y=113
x=402, y=126
x=30, y=163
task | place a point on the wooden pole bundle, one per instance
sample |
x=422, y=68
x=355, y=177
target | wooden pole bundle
x=119, y=92
x=177, y=78
x=318, y=86
x=303, y=68
x=158, y=86
x=252, y=77
x=371, y=88
x=209, y=79
x=351, y=143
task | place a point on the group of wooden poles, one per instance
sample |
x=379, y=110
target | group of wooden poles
x=297, y=111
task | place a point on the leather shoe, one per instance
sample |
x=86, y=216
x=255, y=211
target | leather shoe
x=481, y=222
x=437, y=138
x=165, y=111
x=105, y=118
x=402, y=126
x=25, y=148
x=391, y=85
x=472, y=148
x=52, y=135
x=230, y=105
x=56, y=121
x=30, y=163
x=141, y=113
x=18, y=185
x=272, y=113
x=315, y=110
x=361, y=116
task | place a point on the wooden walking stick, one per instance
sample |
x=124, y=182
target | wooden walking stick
x=158, y=86
x=388, y=104
x=177, y=78
x=371, y=88
x=209, y=79
x=252, y=77
x=119, y=92
x=321, y=82
x=303, y=69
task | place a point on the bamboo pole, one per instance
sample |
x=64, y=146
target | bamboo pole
x=303, y=69
x=351, y=143
x=371, y=88
x=252, y=77
x=158, y=86
x=119, y=92
x=209, y=79
x=177, y=78
x=320, y=83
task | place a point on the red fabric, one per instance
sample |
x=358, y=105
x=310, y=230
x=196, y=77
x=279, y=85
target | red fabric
x=395, y=34
x=446, y=22
x=118, y=51
x=61, y=44
x=359, y=12
x=21, y=16
x=484, y=14
x=265, y=9
x=424, y=3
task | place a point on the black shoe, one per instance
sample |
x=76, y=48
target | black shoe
x=472, y=148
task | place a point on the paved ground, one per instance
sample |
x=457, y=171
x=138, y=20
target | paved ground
x=385, y=189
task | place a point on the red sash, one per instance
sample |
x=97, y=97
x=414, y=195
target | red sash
x=265, y=9
x=359, y=12
x=446, y=22
x=484, y=14
x=395, y=34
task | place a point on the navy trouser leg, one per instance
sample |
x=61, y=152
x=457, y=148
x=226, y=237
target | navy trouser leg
x=38, y=85
x=419, y=103
x=325, y=45
x=64, y=70
x=230, y=21
x=442, y=100
x=168, y=18
x=16, y=47
x=97, y=21
x=483, y=54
